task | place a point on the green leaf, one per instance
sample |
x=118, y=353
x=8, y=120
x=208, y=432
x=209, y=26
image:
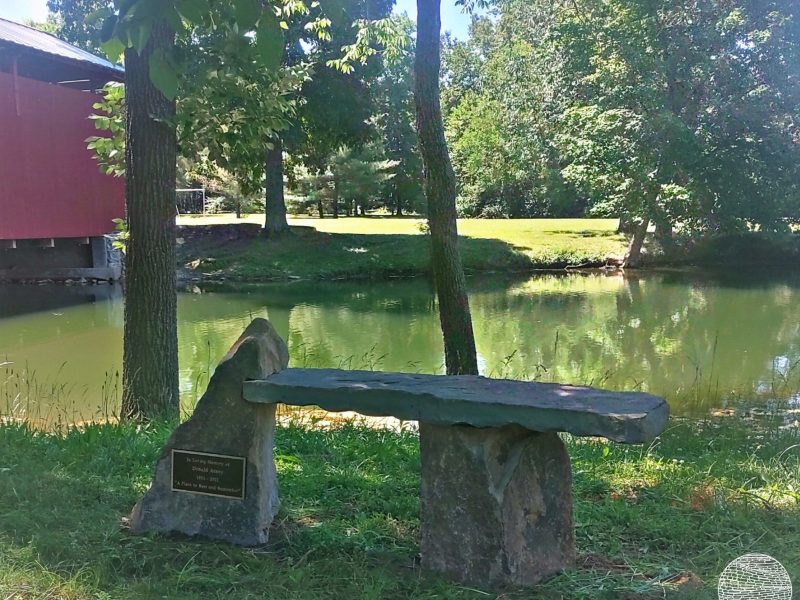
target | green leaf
x=163, y=75
x=113, y=49
x=193, y=11
x=107, y=30
x=101, y=14
x=247, y=13
x=269, y=40
x=142, y=35
x=174, y=19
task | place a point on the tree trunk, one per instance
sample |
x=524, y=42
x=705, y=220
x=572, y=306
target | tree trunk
x=150, y=356
x=320, y=209
x=665, y=235
x=626, y=224
x=635, y=248
x=274, y=202
x=440, y=191
x=335, y=198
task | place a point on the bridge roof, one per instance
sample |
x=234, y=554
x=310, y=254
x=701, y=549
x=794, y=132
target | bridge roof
x=23, y=37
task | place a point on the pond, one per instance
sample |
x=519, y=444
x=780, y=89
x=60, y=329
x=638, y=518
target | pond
x=701, y=341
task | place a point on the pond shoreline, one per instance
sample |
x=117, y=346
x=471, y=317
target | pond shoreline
x=239, y=253
x=375, y=249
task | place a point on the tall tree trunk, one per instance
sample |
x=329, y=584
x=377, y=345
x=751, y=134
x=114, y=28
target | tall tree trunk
x=150, y=356
x=626, y=223
x=274, y=201
x=335, y=198
x=440, y=190
x=398, y=203
x=665, y=235
x=635, y=248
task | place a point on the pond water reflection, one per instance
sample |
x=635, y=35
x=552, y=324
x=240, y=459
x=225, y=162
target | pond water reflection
x=702, y=341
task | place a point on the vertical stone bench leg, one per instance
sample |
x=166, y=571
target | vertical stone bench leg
x=496, y=504
x=223, y=423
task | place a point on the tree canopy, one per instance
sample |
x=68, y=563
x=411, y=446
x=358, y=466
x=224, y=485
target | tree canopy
x=675, y=112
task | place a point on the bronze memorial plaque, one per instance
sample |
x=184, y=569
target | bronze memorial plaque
x=209, y=474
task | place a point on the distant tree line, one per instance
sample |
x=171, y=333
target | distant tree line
x=683, y=114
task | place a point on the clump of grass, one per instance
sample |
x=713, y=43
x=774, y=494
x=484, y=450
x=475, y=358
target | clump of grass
x=25, y=397
x=652, y=521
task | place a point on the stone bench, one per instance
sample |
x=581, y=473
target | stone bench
x=496, y=498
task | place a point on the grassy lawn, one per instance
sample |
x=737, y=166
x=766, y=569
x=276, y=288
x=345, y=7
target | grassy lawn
x=652, y=522
x=375, y=247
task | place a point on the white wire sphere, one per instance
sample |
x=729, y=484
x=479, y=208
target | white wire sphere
x=755, y=577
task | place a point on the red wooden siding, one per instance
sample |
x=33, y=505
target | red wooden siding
x=50, y=186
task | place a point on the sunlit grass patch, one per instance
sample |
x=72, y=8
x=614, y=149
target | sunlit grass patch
x=372, y=247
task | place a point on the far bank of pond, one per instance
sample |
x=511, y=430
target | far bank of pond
x=222, y=248
x=726, y=341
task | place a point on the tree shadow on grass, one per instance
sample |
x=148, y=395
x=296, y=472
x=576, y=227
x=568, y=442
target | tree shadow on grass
x=310, y=254
x=349, y=523
x=346, y=526
x=586, y=233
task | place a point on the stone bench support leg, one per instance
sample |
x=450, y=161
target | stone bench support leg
x=496, y=504
x=224, y=423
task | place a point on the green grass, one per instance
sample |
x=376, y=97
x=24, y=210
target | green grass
x=648, y=518
x=374, y=247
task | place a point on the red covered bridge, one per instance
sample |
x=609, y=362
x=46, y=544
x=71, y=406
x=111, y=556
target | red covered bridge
x=55, y=204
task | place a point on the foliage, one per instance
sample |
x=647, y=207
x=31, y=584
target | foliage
x=244, y=23
x=238, y=83
x=494, y=85
x=704, y=126
x=109, y=149
x=223, y=192
x=71, y=22
x=223, y=85
x=334, y=106
x=49, y=25
x=681, y=113
x=230, y=106
x=121, y=240
x=393, y=120
x=388, y=37
x=352, y=181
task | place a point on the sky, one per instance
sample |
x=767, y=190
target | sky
x=453, y=20
x=19, y=10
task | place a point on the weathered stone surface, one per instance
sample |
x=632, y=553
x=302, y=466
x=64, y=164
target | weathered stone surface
x=224, y=423
x=496, y=504
x=630, y=417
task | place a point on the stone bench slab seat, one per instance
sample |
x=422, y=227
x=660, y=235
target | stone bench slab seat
x=627, y=417
x=495, y=477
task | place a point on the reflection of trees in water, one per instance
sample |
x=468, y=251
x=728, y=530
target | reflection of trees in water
x=385, y=326
x=683, y=337
x=20, y=299
x=690, y=338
